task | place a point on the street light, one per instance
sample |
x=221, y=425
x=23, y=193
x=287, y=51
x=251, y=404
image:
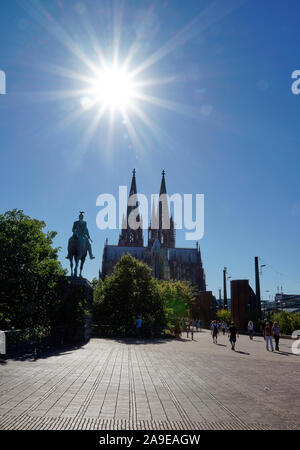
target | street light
x=265, y=301
x=261, y=266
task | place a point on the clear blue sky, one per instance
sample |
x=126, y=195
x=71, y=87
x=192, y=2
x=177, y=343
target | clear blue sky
x=232, y=131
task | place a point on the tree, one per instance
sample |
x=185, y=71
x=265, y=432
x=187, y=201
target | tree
x=224, y=314
x=128, y=292
x=30, y=274
x=178, y=298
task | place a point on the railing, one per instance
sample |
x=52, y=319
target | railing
x=146, y=331
x=35, y=341
x=130, y=331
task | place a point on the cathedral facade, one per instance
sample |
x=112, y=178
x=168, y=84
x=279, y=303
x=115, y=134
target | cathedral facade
x=165, y=260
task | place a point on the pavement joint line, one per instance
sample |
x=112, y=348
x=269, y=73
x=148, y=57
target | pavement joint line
x=132, y=399
x=96, y=383
x=46, y=395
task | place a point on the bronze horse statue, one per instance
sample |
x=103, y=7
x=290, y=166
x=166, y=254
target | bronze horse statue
x=77, y=249
x=79, y=245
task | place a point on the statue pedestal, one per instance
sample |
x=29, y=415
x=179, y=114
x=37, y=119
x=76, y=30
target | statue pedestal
x=76, y=310
x=79, y=281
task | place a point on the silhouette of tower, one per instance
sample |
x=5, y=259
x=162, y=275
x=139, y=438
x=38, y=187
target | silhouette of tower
x=130, y=237
x=164, y=224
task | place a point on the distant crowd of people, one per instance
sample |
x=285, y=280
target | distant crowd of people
x=269, y=331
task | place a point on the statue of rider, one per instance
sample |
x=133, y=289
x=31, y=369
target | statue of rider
x=80, y=230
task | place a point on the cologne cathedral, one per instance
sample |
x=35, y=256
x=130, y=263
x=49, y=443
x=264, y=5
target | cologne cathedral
x=162, y=256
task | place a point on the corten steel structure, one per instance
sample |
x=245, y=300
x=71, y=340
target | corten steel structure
x=205, y=308
x=225, y=288
x=161, y=255
x=243, y=303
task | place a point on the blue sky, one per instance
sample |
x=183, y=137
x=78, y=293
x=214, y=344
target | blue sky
x=231, y=133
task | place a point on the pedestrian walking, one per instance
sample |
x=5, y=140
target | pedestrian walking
x=223, y=326
x=214, y=331
x=232, y=334
x=276, y=334
x=139, y=326
x=250, y=329
x=268, y=337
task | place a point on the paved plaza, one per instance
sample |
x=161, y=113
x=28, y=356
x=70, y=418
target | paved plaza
x=158, y=384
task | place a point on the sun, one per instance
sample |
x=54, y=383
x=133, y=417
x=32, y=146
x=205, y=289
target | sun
x=113, y=88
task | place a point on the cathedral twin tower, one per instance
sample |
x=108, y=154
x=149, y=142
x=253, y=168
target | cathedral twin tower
x=161, y=224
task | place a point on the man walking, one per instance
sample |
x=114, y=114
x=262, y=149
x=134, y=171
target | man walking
x=268, y=337
x=276, y=334
x=223, y=326
x=139, y=326
x=250, y=329
x=232, y=333
x=214, y=331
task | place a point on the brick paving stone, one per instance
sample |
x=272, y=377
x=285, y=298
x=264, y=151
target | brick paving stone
x=180, y=384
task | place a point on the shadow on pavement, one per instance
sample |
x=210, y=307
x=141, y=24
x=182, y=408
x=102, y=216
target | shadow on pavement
x=139, y=341
x=242, y=353
x=45, y=353
x=284, y=353
x=222, y=345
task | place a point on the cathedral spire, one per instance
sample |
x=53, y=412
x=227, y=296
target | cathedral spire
x=133, y=189
x=130, y=237
x=163, y=189
x=166, y=234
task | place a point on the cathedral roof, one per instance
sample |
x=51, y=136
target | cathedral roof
x=183, y=254
x=114, y=252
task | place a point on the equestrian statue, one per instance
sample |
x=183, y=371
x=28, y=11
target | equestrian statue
x=79, y=244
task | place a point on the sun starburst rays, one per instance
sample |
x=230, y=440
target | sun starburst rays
x=113, y=82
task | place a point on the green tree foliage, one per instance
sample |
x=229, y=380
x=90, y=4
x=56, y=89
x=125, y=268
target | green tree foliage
x=30, y=274
x=177, y=297
x=224, y=314
x=128, y=292
x=288, y=322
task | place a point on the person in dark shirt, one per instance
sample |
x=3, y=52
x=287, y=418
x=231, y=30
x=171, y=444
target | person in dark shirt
x=232, y=333
x=268, y=337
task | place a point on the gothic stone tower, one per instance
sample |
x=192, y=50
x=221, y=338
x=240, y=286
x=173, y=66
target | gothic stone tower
x=130, y=237
x=162, y=224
